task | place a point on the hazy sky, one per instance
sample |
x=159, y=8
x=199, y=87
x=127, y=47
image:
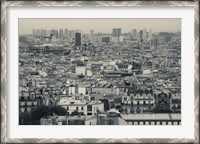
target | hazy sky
x=100, y=25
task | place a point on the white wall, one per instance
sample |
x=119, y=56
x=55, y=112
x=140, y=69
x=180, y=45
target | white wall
x=81, y=70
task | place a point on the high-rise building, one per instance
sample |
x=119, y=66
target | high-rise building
x=106, y=39
x=66, y=31
x=77, y=39
x=34, y=32
x=117, y=32
x=61, y=34
x=150, y=34
x=54, y=33
x=134, y=34
x=38, y=32
x=141, y=36
x=145, y=35
x=71, y=33
x=43, y=32
x=92, y=34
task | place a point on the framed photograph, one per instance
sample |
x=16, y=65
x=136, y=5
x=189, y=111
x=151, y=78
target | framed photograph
x=100, y=72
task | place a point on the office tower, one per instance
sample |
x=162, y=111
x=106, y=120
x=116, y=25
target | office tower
x=37, y=33
x=71, y=33
x=66, y=31
x=154, y=41
x=61, y=34
x=141, y=36
x=43, y=32
x=145, y=35
x=54, y=33
x=150, y=34
x=134, y=34
x=33, y=32
x=77, y=39
x=92, y=34
x=105, y=39
x=117, y=32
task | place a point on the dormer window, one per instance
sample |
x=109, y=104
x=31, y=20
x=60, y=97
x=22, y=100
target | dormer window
x=32, y=96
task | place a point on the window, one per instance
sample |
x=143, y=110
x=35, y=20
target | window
x=89, y=108
x=82, y=108
x=89, y=113
x=76, y=108
x=67, y=108
x=32, y=96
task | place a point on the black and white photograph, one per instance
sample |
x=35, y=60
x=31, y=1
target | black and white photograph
x=103, y=71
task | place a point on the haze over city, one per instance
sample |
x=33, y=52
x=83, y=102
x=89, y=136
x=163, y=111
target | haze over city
x=100, y=72
x=100, y=25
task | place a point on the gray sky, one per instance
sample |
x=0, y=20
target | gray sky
x=100, y=25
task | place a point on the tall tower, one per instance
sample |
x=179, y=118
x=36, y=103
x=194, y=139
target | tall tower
x=92, y=34
x=116, y=33
x=78, y=39
x=134, y=34
x=61, y=33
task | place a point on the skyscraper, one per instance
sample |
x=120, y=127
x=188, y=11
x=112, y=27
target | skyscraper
x=134, y=33
x=141, y=36
x=54, y=32
x=61, y=34
x=77, y=39
x=117, y=32
x=66, y=31
x=145, y=35
x=92, y=34
x=71, y=33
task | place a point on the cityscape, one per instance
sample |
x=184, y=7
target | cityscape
x=117, y=76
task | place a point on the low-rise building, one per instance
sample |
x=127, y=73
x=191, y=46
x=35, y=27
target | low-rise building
x=81, y=104
x=152, y=119
x=28, y=101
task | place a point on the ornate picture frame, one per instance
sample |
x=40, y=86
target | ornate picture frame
x=4, y=59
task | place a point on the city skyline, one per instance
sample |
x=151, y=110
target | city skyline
x=85, y=25
x=68, y=77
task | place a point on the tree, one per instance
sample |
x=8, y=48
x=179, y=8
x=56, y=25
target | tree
x=77, y=113
x=25, y=118
x=42, y=111
x=58, y=110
